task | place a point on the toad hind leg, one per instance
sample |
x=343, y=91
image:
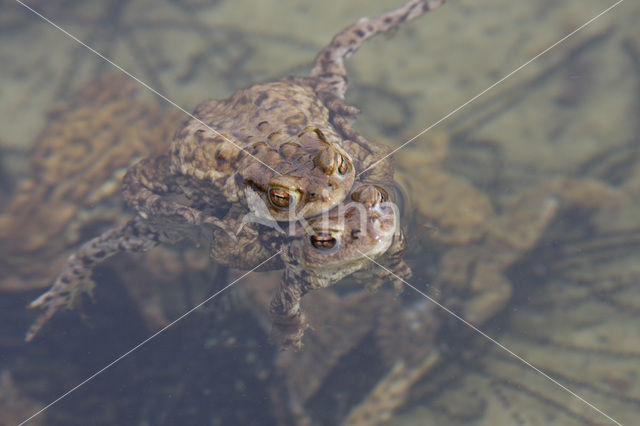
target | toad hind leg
x=329, y=75
x=75, y=279
x=329, y=66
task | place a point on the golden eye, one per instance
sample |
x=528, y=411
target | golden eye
x=323, y=241
x=343, y=166
x=279, y=198
x=379, y=195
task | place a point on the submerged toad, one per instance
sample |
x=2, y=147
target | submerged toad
x=321, y=252
x=73, y=192
x=297, y=126
x=75, y=173
x=347, y=240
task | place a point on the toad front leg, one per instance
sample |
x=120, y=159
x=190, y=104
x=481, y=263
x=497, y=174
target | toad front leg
x=288, y=320
x=75, y=279
x=152, y=191
x=251, y=244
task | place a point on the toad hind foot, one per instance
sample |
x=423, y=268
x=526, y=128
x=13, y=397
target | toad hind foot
x=75, y=279
x=329, y=66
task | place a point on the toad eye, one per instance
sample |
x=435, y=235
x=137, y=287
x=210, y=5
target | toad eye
x=343, y=166
x=323, y=240
x=282, y=198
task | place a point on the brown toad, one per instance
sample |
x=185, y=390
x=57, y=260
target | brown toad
x=334, y=246
x=320, y=253
x=284, y=140
x=274, y=139
x=195, y=188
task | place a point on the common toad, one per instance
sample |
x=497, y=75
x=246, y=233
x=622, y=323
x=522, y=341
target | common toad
x=283, y=140
x=198, y=186
x=335, y=246
x=321, y=252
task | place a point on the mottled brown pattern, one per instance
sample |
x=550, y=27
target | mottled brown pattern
x=75, y=172
x=213, y=168
x=364, y=230
x=307, y=112
x=282, y=150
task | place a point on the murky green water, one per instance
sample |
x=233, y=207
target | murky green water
x=571, y=113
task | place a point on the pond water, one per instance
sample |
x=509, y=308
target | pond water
x=522, y=215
